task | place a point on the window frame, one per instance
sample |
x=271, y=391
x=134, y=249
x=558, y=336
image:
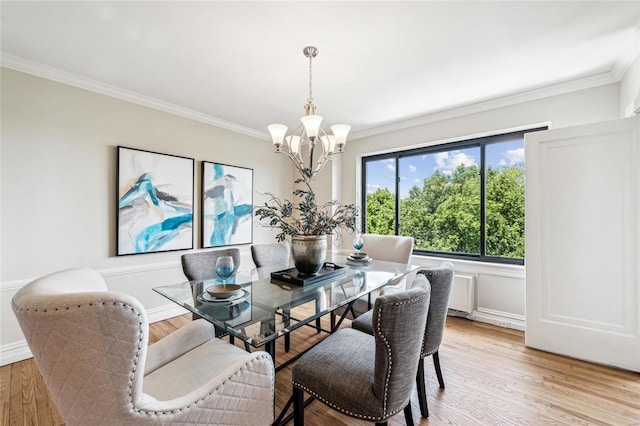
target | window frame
x=480, y=142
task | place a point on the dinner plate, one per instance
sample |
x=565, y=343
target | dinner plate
x=224, y=291
x=365, y=259
x=209, y=298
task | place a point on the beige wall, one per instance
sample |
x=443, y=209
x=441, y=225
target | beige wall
x=58, y=164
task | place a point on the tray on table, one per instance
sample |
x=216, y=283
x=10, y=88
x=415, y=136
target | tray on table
x=291, y=275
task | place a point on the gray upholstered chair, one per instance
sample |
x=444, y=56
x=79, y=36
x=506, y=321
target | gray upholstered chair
x=274, y=256
x=91, y=346
x=369, y=377
x=271, y=255
x=202, y=266
x=389, y=248
x=441, y=281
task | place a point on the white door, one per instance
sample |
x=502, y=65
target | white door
x=583, y=242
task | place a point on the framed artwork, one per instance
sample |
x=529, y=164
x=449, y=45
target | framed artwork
x=227, y=205
x=155, y=202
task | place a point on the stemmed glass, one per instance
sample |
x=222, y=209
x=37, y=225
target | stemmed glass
x=224, y=268
x=358, y=243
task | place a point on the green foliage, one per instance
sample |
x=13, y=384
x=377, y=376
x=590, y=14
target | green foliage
x=444, y=215
x=307, y=217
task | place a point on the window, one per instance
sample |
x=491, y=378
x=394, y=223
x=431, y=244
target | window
x=463, y=199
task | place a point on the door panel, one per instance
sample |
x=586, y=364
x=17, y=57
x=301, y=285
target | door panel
x=582, y=208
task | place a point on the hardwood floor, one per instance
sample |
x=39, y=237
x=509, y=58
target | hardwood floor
x=491, y=379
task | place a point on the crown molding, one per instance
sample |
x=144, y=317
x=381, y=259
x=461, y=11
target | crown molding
x=504, y=101
x=55, y=74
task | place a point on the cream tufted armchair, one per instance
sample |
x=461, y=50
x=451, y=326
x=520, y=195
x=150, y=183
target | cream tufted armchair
x=91, y=348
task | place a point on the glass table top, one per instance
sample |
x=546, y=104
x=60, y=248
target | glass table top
x=265, y=309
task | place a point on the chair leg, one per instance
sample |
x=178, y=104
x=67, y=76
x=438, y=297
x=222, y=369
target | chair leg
x=287, y=342
x=408, y=415
x=422, y=390
x=318, y=325
x=381, y=423
x=298, y=407
x=436, y=364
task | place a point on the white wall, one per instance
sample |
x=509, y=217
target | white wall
x=497, y=291
x=57, y=192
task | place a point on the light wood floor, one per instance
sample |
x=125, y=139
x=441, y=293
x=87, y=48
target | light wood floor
x=491, y=379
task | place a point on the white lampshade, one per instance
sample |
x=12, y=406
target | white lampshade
x=329, y=144
x=277, y=133
x=311, y=124
x=294, y=144
x=340, y=131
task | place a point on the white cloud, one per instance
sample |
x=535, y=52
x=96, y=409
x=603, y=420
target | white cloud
x=515, y=156
x=448, y=161
x=372, y=187
x=412, y=168
x=417, y=180
x=390, y=164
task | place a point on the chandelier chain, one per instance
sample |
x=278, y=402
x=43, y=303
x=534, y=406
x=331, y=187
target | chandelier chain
x=310, y=99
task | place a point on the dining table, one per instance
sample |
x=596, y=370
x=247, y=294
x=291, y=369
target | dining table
x=272, y=302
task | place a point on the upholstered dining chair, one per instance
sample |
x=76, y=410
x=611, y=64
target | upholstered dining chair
x=369, y=377
x=389, y=248
x=90, y=345
x=202, y=266
x=272, y=256
x=440, y=280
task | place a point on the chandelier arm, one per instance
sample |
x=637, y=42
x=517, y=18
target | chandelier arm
x=320, y=165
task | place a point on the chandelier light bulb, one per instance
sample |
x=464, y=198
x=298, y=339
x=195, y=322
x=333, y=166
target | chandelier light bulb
x=308, y=133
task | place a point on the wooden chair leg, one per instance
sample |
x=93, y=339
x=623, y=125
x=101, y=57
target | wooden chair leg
x=287, y=342
x=381, y=423
x=408, y=415
x=318, y=325
x=298, y=407
x=422, y=390
x=436, y=364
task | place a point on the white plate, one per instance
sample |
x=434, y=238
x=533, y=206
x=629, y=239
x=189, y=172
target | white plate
x=222, y=291
x=366, y=259
x=209, y=298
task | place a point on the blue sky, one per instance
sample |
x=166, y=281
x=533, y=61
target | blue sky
x=413, y=170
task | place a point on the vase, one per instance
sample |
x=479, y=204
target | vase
x=309, y=253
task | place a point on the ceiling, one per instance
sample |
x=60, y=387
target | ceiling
x=240, y=64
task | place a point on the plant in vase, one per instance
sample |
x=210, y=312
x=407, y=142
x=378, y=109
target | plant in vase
x=307, y=223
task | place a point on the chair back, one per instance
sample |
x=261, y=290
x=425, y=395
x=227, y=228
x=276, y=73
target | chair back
x=441, y=280
x=398, y=321
x=89, y=344
x=271, y=255
x=202, y=265
x=390, y=248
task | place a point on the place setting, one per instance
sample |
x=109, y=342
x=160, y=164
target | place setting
x=227, y=294
x=358, y=258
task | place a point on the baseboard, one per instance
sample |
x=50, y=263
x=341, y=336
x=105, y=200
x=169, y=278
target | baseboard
x=163, y=312
x=499, y=320
x=14, y=352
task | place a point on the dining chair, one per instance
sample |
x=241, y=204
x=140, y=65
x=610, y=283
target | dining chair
x=368, y=377
x=389, y=248
x=202, y=266
x=440, y=279
x=91, y=347
x=271, y=256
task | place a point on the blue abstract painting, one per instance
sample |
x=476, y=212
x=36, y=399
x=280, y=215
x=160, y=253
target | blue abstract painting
x=227, y=205
x=155, y=202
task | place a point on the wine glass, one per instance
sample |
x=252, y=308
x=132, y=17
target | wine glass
x=358, y=243
x=224, y=268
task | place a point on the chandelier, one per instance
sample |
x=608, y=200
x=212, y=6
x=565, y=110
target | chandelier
x=308, y=134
